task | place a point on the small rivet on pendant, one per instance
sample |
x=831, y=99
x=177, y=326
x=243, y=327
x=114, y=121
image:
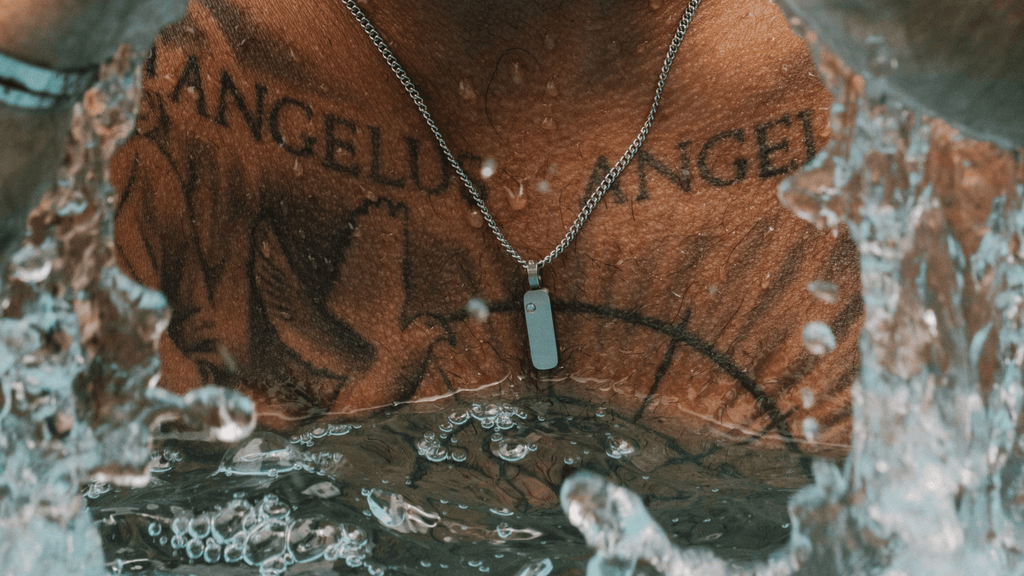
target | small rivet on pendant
x=533, y=272
x=531, y=308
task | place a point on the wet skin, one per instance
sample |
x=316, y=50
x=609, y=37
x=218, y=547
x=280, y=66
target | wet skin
x=288, y=198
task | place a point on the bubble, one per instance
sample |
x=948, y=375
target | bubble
x=228, y=521
x=234, y=551
x=310, y=538
x=272, y=507
x=430, y=448
x=155, y=528
x=180, y=523
x=194, y=548
x=199, y=527
x=542, y=567
x=619, y=448
x=510, y=451
x=211, y=552
x=265, y=540
x=273, y=566
x=388, y=508
x=818, y=338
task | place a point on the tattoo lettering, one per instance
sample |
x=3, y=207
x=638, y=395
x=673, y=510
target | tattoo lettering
x=740, y=163
x=355, y=150
x=255, y=119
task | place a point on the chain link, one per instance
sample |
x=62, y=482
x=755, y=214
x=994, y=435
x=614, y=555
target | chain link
x=595, y=196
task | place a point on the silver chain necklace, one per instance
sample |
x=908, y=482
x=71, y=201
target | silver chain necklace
x=540, y=328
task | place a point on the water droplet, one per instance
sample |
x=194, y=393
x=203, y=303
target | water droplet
x=810, y=428
x=155, y=528
x=476, y=219
x=488, y=167
x=551, y=90
x=807, y=397
x=818, y=338
x=824, y=291
x=477, y=310
x=543, y=187
x=549, y=42
x=466, y=90
x=655, y=4
x=548, y=124
x=516, y=199
x=517, y=73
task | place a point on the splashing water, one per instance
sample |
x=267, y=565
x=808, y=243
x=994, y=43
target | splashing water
x=932, y=485
x=79, y=402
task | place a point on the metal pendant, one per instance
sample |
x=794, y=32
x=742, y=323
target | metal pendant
x=540, y=325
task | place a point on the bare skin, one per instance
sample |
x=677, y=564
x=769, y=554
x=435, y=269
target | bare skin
x=288, y=198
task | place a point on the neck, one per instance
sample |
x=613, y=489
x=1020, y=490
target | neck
x=505, y=77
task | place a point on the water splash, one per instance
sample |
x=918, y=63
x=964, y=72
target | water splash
x=77, y=362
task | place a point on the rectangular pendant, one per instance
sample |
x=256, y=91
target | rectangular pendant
x=540, y=329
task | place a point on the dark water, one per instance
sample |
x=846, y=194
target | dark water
x=470, y=489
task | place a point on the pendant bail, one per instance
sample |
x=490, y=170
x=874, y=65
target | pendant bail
x=533, y=271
